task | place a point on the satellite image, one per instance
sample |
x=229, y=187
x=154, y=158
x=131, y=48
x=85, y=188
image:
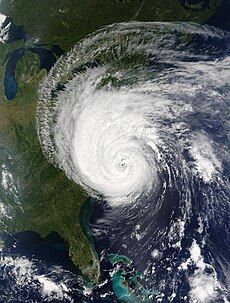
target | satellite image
x=114, y=151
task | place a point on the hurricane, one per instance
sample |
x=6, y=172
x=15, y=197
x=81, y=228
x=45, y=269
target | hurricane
x=137, y=114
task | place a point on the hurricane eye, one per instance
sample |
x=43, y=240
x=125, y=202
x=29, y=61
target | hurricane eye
x=123, y=164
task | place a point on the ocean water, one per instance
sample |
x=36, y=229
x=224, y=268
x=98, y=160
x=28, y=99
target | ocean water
x=145, y=132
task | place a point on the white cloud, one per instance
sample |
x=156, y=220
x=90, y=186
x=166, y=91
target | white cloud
x=52, y=290
x=25, y=273
x=4, y=32
x=206, y=163
x=204, y=285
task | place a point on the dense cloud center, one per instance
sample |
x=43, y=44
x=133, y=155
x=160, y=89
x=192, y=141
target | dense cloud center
x=108, y=144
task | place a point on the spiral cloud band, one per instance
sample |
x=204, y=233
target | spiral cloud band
x=119, y=111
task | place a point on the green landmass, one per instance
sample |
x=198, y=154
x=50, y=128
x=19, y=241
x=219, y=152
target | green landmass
x=44, y=199
x=40, y=198
x=64, y=22
x=172, y=10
